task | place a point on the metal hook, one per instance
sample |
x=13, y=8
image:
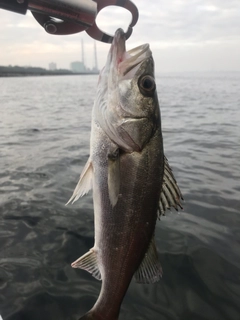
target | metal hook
x=97, y=34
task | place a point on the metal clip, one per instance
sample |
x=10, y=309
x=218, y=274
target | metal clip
x=77, y=15
x=74, y=15
x=97, y=34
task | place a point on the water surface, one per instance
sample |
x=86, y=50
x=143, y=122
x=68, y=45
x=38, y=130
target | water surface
x=44, y=144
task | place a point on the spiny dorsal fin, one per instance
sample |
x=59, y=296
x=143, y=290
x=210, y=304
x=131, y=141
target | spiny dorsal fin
x=89, y=263
x=84, y=183
x=150, y=269
x=171, y=195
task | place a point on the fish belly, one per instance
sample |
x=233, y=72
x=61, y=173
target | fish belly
x=123, y=232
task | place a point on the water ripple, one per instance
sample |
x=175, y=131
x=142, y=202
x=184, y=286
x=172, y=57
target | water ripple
x=44, y=146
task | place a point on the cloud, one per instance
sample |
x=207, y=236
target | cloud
x=183, y=35
x=196, y=20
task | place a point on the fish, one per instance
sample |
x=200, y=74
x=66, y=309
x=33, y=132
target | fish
x=129, y=174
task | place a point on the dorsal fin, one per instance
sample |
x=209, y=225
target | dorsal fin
x=171, y=195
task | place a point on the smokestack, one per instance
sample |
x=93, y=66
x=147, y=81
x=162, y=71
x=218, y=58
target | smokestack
x=83, y=53
x=95, y=56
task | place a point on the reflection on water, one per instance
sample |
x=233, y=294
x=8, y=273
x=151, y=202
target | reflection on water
x=44, y=144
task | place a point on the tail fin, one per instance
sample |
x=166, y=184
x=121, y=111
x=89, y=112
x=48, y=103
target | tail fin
x=90, y=315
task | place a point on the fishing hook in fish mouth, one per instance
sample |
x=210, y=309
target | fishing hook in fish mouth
x=68, y=17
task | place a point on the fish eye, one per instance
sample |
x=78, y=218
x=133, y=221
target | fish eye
x=147, y=85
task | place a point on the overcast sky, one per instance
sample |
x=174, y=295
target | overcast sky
x=184, y=35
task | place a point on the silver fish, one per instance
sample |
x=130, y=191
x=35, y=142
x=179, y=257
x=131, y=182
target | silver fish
x=127, y=171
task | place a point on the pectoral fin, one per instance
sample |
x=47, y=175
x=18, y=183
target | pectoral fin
x=84, y=183
x=89, y=263
x=171, y=195
x=113, y=176
x=150, y=269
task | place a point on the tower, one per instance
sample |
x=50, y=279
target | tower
x=95, y=57
x=83, y=62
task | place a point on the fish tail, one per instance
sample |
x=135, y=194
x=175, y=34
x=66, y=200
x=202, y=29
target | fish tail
x=90, y=315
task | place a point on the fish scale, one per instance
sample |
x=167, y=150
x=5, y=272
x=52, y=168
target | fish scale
x=126, y=230
x=125, y=169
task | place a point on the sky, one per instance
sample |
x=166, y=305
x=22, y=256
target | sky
x=184, y=36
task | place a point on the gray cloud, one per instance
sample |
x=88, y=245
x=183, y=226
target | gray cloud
x=184, y=35
x=195, y=20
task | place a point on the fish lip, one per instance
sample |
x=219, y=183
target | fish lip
x=118, y=47
x=138, y=51
x=119, y=44
x=123, y=59
x=119, y=36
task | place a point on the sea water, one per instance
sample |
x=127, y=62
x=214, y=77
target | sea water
x=44, y=144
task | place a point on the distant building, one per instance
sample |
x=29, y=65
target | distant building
x=78, y=66
x=52, y=66
x=95, y=71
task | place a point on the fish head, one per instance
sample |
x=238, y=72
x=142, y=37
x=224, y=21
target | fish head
x=131, y=110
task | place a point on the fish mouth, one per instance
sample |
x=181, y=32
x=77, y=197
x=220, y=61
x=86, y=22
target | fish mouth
x=126, y=61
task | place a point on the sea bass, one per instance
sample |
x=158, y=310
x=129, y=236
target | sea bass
x=125, y=169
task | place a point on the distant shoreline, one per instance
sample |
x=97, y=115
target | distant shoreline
x=17, y=71
x=15, y=75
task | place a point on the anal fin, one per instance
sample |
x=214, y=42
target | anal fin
x=150, y=269
x=89, y=263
